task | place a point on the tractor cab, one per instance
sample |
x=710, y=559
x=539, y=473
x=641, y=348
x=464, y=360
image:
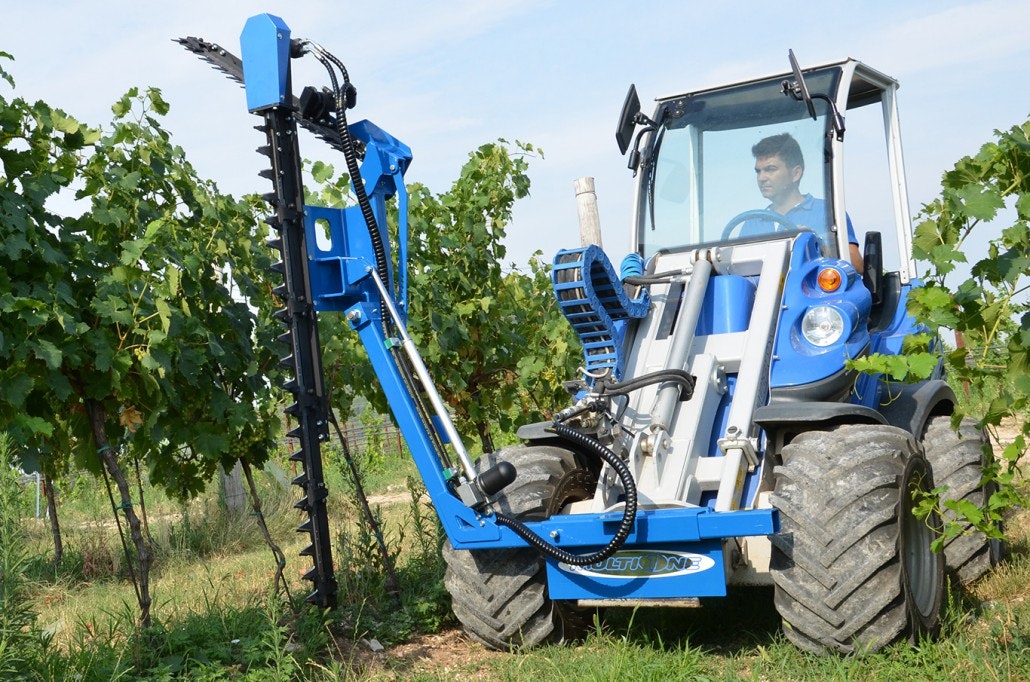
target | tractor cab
x=702, y=162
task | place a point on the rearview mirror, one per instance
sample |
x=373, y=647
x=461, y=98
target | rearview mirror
x=872, y=274
x=798, y=89
x=627, y=119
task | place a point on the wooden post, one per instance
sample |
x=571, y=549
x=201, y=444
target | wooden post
x=589, y=219
x=232, y=489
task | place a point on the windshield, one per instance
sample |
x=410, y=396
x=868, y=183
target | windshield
x=739, y=163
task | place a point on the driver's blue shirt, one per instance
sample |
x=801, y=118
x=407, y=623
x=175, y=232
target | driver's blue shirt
x=809, y=212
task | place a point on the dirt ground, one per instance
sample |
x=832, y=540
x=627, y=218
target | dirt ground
x=449, y=654
x=445, y=653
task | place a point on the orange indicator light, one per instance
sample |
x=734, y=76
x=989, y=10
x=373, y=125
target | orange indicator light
x=829, y=279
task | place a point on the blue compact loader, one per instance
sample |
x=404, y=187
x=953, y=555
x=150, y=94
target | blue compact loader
x=716, y=437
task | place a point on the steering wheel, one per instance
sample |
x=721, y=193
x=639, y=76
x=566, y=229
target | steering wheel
x=761, y=214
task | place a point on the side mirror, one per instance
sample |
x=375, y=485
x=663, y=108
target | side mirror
x=872, y=257
x=798, y=89
x=627, y=120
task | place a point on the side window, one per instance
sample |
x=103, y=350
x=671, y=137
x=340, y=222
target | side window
x=867, y=184
x=675, y=191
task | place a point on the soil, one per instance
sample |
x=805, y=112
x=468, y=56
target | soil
x=448, y=654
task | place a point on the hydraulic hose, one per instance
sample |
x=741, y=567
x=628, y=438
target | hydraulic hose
x=328, y=60
x=351, y=157
x=585, y=443
x=657, y=278
x=676, y=376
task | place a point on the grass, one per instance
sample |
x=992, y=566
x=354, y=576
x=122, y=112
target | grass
x=215, y=615
x=217, y=618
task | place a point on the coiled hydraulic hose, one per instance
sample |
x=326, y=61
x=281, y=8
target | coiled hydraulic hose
x=347, y=145
x=629, y=514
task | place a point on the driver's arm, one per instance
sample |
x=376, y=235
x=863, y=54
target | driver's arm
x=856, y=258
x=854, y=251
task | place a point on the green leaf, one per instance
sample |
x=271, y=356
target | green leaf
x=164, y=313
x=157, y=102
x=980, y=202
x=63, y=122
x=36, y=425
x=921, y=365
x=132, y=250
x=14, y=388
x=897, y=367
x=48, y=353
x=321, y=172
x=153, y=227
x=113, y=309
x=933, y=297
x=124, y=105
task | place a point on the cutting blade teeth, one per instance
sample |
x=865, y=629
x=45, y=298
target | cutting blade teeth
x=216, y=55
x=232, y=67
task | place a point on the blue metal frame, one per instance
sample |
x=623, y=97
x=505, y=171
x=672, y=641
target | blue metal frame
x=680, y=547
x=796, y=361
x=342, y=279
x=265, y=49
x=693, y=569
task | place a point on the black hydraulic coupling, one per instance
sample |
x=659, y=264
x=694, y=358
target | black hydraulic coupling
x=476, y=493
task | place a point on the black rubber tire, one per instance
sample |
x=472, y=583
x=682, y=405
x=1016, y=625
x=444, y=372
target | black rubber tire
x=852, y=567
x=500, y=595
x=957, y=458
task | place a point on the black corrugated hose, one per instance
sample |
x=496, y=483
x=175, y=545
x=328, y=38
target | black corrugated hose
x=585, y=443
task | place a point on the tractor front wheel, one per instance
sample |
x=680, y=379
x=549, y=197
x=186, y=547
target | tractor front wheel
x=958, y=458
x=500, y=595
x=852, y=565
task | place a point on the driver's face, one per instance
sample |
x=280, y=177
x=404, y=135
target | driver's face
x=776, y=182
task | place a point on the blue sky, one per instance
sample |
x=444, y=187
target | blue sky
x=447, y=77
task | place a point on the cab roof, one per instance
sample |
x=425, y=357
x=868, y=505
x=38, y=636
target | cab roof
x=866, y=86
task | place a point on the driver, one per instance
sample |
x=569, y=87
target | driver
x=779, y=166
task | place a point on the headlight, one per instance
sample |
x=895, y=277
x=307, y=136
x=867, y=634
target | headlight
x=822, y=325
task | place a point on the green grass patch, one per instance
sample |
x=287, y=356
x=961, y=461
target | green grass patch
x=216, y=617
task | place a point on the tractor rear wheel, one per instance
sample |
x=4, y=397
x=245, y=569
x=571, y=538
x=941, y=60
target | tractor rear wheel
x=852, y=565
x=500, y=595
x=957, y=458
